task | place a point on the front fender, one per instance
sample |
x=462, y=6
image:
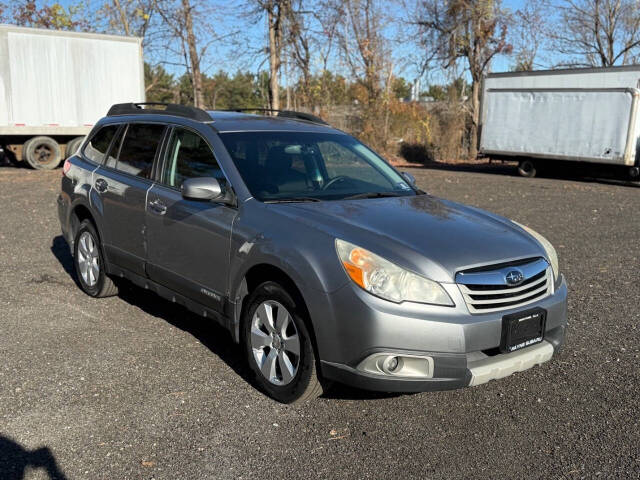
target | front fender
x=307, y=257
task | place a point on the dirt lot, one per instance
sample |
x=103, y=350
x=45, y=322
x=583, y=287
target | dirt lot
x=134, y=387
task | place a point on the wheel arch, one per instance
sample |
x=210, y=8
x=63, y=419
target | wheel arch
x=258, y=274
x=78, y=213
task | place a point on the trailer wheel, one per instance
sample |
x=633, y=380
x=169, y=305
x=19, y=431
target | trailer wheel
x=72, y=146
x=42, y=153
x=526, y=168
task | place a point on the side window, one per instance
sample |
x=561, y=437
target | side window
x=138, y=149
x=95, y=149
x=189, y=156
x=112, y=156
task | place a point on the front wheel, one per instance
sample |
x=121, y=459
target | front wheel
x=89, y=263
x=278, y=346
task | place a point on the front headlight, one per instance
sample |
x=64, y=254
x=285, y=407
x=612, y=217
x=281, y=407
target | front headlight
x=386, y=280
x=551, y=252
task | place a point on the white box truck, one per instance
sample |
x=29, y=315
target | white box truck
x=549, y=117
x=55, y=85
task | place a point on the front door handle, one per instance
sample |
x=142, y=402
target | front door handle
x=158, y=207
x=101, y=185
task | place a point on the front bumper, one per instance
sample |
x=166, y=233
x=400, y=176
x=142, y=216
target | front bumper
x=461, y=347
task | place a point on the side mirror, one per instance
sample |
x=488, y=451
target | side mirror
x=202, y=188
x=408, y=177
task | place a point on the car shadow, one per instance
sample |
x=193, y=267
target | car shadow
x=15, y=460
x=216, y=338
x=60, y=250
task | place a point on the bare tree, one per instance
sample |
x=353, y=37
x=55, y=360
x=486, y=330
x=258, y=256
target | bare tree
x=328, y=19
x=194, y=54
x=310, y=31
x=472, y=31
x=129, y=17
x=363, y=46
x=598, y=32
x=299, y=40
x=529, y=33
x=189, y=27
x=276, y=13
x=366, y=51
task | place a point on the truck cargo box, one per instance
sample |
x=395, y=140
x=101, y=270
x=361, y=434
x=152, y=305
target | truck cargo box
x=54, y=82
x=587, y=115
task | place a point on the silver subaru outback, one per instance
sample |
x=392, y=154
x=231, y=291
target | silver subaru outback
x=323, y=262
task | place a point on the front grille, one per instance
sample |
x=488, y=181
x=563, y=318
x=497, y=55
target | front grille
x=487, y=290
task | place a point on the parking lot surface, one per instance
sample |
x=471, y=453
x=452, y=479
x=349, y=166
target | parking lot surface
x=135, y=387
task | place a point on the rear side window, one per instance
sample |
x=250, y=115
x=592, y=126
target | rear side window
x=138, y=149
x=112, y=156
x=189, y=156
x=95, y=149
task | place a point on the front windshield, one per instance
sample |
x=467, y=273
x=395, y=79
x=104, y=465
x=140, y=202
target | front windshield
x=281, y=166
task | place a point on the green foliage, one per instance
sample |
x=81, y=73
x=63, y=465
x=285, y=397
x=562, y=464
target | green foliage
x=401, y=88
x=160, y=85
x=437, y=92
x=223, y=91
x=454, y=91
x=325, y=88
x=243, y=90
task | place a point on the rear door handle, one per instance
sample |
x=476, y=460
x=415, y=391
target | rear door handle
x=101, y=185
x=158, y=207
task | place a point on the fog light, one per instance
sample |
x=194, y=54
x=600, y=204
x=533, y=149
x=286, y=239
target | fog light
x=390, y=364
x=400, y=366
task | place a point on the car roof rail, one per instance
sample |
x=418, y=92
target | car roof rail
x=285, y=114
x=156, y=108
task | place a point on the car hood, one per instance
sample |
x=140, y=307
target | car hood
x=431, y=236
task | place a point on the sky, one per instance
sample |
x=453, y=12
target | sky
x=227, y=60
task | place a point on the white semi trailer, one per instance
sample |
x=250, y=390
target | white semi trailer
x=549, y=117
x=55, y=85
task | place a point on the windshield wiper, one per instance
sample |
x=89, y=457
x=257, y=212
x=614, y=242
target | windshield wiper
x=293, y=200
x=372, y=195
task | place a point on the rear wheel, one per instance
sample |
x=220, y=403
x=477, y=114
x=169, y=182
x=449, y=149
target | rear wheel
x=72, y=146
x=278, y=346
x=526, y=168
x=42, y=153
x=89, y=263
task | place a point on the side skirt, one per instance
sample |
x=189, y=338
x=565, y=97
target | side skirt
x=168, y=294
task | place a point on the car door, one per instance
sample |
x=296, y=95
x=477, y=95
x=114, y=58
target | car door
x=122, y=183
x=188, y=240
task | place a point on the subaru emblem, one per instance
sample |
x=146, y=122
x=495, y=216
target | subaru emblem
x=514, y=277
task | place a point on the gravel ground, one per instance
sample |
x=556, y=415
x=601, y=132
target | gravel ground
x=134, y=387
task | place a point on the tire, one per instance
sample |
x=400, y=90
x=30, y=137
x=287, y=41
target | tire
x=72, y=146
x=526, y=168
x=91, y=273
x=293, y=378
x=42, y=153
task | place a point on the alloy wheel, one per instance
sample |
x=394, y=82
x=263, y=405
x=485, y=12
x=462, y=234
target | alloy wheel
x=88, y=259
x=275, y=342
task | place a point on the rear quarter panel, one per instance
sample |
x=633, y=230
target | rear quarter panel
x=75, y=190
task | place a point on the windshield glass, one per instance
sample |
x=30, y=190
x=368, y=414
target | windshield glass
x=280, y=166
